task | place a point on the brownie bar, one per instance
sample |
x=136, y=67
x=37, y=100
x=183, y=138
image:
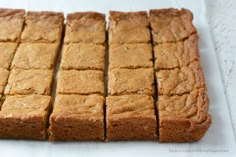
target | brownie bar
x=26, y=82
x=130, y=56
x=130, y=117
x=85, y=27
x=80, y=82
x=25, y=117
x=131, y=81
x=43, y=27
x=3, y=79
x=35, y=56
x=171, y=25
x=128, y=27
x=183, y=118
x=180, y=81
x=176, y=55
x=77, y=117
x=83, y=57
x=11, y=24
x=7, y=51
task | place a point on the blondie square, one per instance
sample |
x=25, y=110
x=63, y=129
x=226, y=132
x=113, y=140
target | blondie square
x=25, y=117
x=180, y=81
x=131, y=81
x=176, y=55
x=43, y=27
x=83, y=57
x=130, y=117
x=7, y=51
x=171, y=25
x=77, y=117
x=128, y=27
x=85, y=27
x=183, y=118
x=35, y=56
x=130, y=56
x=26, y=82
x=80, y=82
x=3, y=79
x=11, y=24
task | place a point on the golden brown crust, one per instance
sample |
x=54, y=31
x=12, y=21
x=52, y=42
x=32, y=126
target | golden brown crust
x=117, y=15
x=3, y=79
x=130, y=117
x=7, y=51
x=171, y=25
x=183, y=118
x=90, y=14
x=11, y=13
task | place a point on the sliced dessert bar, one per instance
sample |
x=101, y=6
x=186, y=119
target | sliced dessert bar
x=130, y=56
x=85, y=27
x=130, y=117
x=43, y=27
x=7, y=51
x=83, y=57
x=77, y=117
x=25, y=117
x=25, y=82
x=128, y=27
x=80, y=82
x=3, y=79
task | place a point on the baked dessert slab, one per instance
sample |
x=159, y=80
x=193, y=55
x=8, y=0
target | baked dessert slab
x=176, y=55
x=43, y=27
x=130, y=117
x=85, y=27
x=131, y=81
x=11, y=24
x=130, y=56
x=171, y=25
x=81, y=56
x=180, y=81
x=7, y=51
x=35, y=56
x=183, y=118
x=128, y=27
x=4, y=73
x=77, y=117
x=25, y=117
x=80, y=82
x=32, y=81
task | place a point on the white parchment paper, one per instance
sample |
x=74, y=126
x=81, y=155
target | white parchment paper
x=219, y=140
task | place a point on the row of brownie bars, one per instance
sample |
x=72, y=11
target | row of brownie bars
x=84, y=79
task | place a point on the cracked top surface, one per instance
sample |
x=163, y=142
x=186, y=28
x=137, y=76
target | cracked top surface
x=171, y=25
x=43, y=27
x=80, y=82
x=83, y=56
x=78, y=106
x=130, y=106
x=85, y=27
x=29, y=82
x=35, y=56
x=180, y=81
x=131, y=81
x=25, y=107
x=176, y=55
x=3, y=79
x=128, y=27
x=191, y=107
x=130, y=56
x=11, y=24
x=7, y=51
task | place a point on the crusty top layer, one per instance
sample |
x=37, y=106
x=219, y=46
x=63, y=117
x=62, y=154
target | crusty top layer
x=176, y=55
x=180, y=81
x=128, y=27
x=43, y=27
x=78, y=106
x=171, y=25
x=130, y=106
x=12, y=13
x=85, y=27
x=3, y=79
x=7, y=51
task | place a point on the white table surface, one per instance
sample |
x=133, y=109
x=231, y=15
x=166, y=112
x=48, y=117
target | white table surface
x=222, y=21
